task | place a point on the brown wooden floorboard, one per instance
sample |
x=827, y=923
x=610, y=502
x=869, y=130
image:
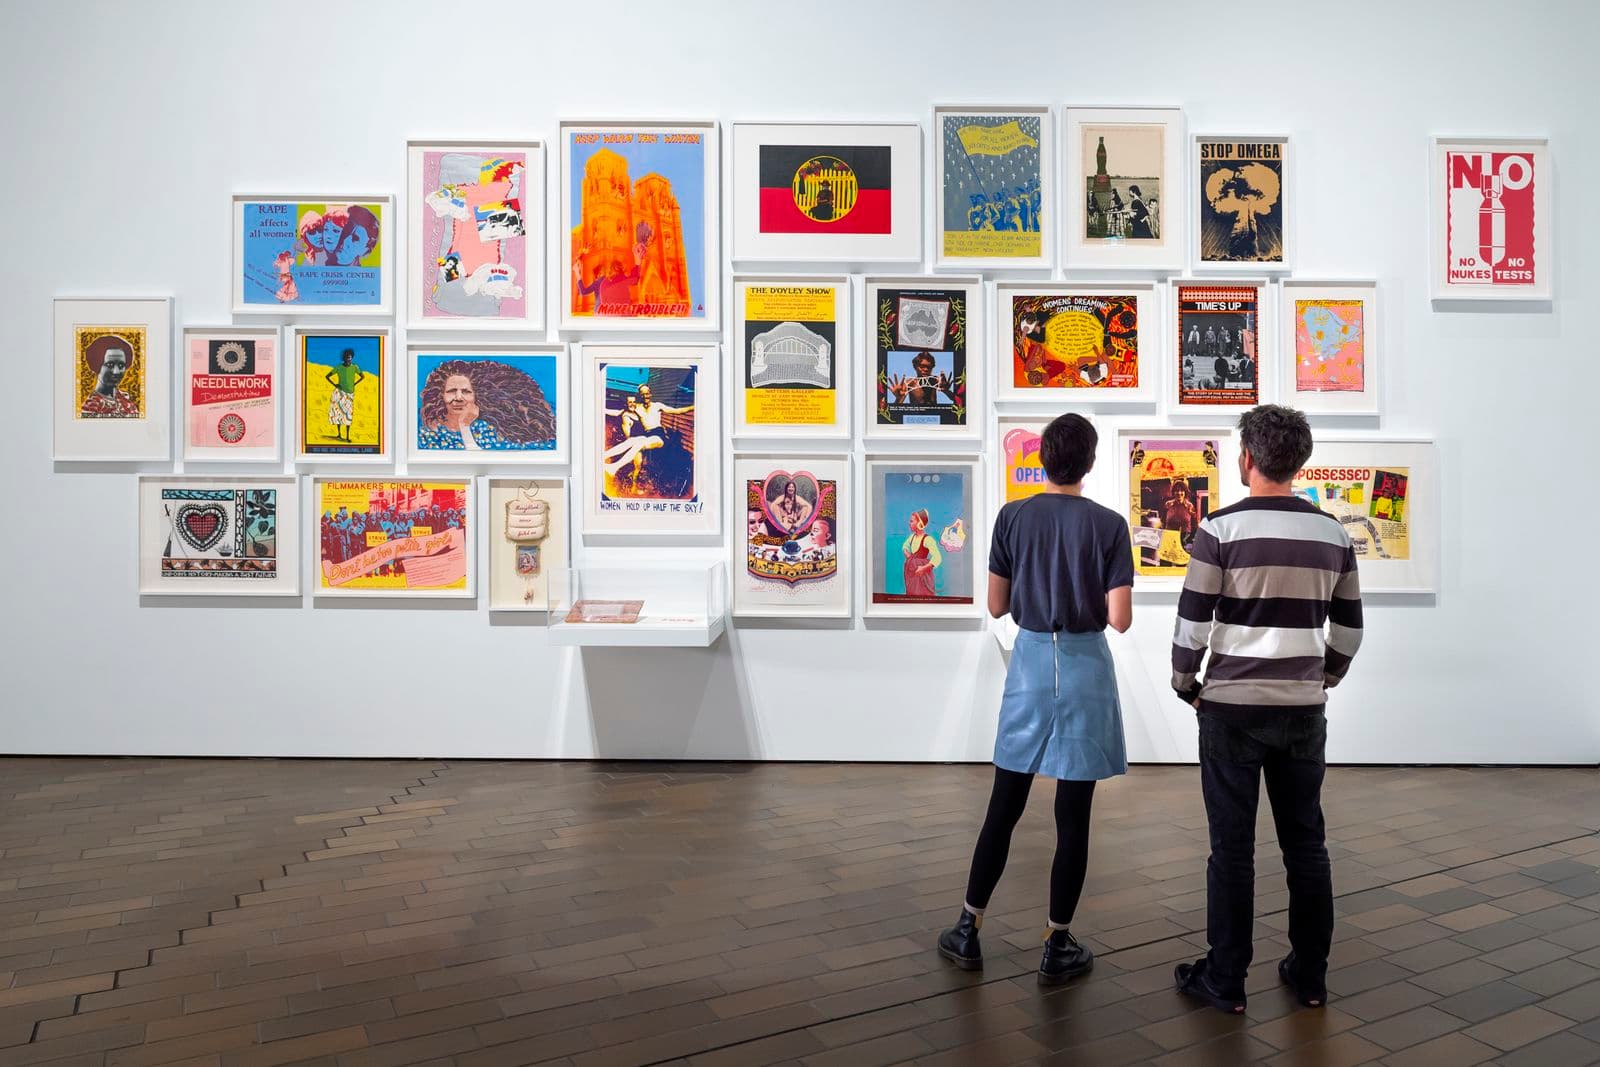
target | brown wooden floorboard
x=258, y=912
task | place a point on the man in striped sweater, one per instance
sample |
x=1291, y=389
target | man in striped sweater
x=1272, y=592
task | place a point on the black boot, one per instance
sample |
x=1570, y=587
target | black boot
x=1194, y=980
x=959, y=944
x=1309, y=994
x=1063, y=958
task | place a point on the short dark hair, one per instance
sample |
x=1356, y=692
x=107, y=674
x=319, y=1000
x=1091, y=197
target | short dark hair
x=1278, y=440
x=1066, y=448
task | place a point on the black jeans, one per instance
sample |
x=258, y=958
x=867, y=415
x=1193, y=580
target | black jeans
x=1233, y=760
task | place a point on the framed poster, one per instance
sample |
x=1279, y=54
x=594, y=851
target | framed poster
x=341, y=410
x=1091, y=342
x=527, y=524
x=650, y=441
x=922, y=553
x=638, y=243
x=1223, y=329
x=395, y=538
x=1021, y=468
x=475, y=235
x=324, y=255
x=113, y=384
x=926, y=367
x=485, y=403
x=1385, y=494
x=1170, y=479
x=1489, y=199
x=831, y=191
x=792, y=372
x=1329, y=346
x=793, y=558
x=219, y=536
x=1125, y=191
x=1242, y=203
x=994, y=187
x=232, y=394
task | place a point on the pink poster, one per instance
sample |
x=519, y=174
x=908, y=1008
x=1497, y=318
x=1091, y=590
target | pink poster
x=474, y=250
x=232, y=396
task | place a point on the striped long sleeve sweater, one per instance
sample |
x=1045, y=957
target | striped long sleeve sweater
x=1272, y=590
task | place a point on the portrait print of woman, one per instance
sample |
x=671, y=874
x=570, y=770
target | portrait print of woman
x=482, y=405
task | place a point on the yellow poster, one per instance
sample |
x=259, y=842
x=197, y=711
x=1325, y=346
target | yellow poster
x=397, y=537
x=1172, y=485
x=790, y=338
x=1024, y=471
x=1369, y=502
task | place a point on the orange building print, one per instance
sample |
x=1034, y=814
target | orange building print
x=627, y=249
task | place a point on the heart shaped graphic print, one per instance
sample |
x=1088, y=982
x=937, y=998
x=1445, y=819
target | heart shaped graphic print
x=202, y=525
x=793, y=515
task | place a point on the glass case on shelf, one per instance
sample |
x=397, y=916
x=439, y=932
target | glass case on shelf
x=654, y=603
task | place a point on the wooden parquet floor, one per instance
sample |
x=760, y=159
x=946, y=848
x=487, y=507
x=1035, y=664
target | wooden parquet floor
x=366, y=913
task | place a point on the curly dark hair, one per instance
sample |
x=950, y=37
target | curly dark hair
x=1278, y=440
x=508, y=398
x=1066, y=448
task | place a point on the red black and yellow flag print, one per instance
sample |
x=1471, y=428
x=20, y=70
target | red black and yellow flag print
x=825, y=189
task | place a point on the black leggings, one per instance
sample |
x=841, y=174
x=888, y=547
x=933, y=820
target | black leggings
x=1006, y=804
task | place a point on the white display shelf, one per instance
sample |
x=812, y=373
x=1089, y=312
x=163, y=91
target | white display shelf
x=674, y=605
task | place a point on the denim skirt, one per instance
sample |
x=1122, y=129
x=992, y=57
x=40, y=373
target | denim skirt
x=1060, y=716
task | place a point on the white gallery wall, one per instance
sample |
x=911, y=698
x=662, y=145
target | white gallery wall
x=128, y=126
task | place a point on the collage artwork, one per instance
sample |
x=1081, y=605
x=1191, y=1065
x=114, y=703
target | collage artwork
x=921, y=348
x=474, y=255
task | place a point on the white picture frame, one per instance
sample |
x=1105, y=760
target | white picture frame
x=432, y=546
x=1086, y=302
x=132, y=421
x=325, y=450
x=876, y=147
x=1168, y=248
x=882, y=354
x=1119, y=480
x=510, y=587
x=1345, y=457
x=494, y=279
x=260, y=285
x=210, y=534
x=775, y=596
x=803, y=340
x=545, y=364
x=1207, y=227
x=230, y=411
x=1311, y=342
x=1517, y=229
x=1032, y=215
x=621, y=368
x=702, y=312
x=1192, y=398
x=878, y=523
